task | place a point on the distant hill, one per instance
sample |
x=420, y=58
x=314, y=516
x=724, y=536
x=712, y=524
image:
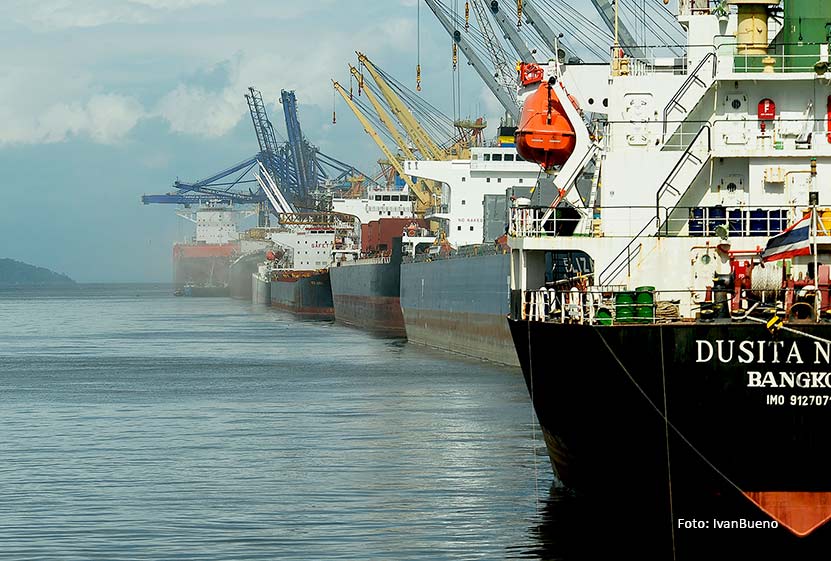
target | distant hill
x=16, y=273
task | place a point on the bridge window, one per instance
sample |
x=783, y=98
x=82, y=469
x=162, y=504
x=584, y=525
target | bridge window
x=509, y=157
x=487, y=157
x=497, y=157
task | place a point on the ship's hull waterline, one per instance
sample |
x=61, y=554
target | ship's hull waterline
x=366, y=294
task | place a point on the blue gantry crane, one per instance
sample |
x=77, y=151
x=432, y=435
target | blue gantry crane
x=296, y=167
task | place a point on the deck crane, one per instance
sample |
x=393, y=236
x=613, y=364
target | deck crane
x=388, y=123
x=424, y=198
x=507, y=98
x=425, y=145
x=624, y=37
x=510, y=31
x=385, y=118
x=551, y=39
x=504, y=71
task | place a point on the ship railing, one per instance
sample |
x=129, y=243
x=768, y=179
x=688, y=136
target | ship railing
x=644, y=60
x=614, y=304
x=729, y=221
x=746, y=136
x=698, y=7
x=776, y=58
x=462, y=252
x=701, y=221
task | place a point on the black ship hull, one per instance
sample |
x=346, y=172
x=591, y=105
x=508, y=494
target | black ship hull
x=305, y=295
x=659, y=425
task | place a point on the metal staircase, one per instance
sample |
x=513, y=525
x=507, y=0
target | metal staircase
x=683, y=174
x=689, y=94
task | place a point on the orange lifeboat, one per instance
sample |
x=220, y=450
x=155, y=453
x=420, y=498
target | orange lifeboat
x=545, y=135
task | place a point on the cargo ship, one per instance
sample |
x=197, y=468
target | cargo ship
x=298, y=275
x=366, y=284
x=365, y=276
x=675, y=336
x=201, y=266
x=457, y=299
x=295, y=274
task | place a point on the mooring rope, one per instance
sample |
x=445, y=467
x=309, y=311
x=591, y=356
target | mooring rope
x=666, y=432
x=663, y=416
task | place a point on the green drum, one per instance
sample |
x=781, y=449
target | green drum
x=624, y=307
x=645, y=304
x=604, y=316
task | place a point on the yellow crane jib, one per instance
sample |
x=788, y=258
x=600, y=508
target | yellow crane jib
x=424, y=198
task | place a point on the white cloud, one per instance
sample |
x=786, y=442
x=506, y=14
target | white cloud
x=105, y=119
x=65, y=14
x=200, y=112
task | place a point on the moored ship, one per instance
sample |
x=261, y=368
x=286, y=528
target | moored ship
x=201, y=266
x=365, y=276
x=296, y=271
x=455, y=298
x=676, y=333
x=366, y=285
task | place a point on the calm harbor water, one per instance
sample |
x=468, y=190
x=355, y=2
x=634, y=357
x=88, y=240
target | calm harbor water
x=136, y=425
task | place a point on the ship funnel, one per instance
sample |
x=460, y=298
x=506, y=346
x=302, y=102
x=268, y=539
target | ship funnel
x=752, y=30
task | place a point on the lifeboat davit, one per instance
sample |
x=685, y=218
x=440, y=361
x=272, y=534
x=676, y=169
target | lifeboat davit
x=545, y=135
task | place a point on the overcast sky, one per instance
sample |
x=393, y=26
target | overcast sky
x=102, y=101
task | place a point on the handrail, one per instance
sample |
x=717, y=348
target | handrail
x=602, y=278
x=692, y=77
x=667, y=184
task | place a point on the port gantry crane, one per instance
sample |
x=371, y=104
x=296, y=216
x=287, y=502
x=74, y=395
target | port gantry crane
x=276, y=160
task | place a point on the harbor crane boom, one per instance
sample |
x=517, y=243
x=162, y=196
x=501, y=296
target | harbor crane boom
x=504, y=71
x=386, y=119
x=423, y=195
x=506, y=97
x=302, y=155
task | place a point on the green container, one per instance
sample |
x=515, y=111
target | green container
x=645, y=304
x=625, y=307
x=603, y=316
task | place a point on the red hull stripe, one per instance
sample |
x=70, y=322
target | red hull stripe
x=801, y=512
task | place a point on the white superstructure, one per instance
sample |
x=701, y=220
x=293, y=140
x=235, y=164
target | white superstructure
x=702, y=160
x=214, y=224
x=379, y=203
x=489, y=171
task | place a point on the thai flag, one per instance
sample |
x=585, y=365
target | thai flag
x=796, y=240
